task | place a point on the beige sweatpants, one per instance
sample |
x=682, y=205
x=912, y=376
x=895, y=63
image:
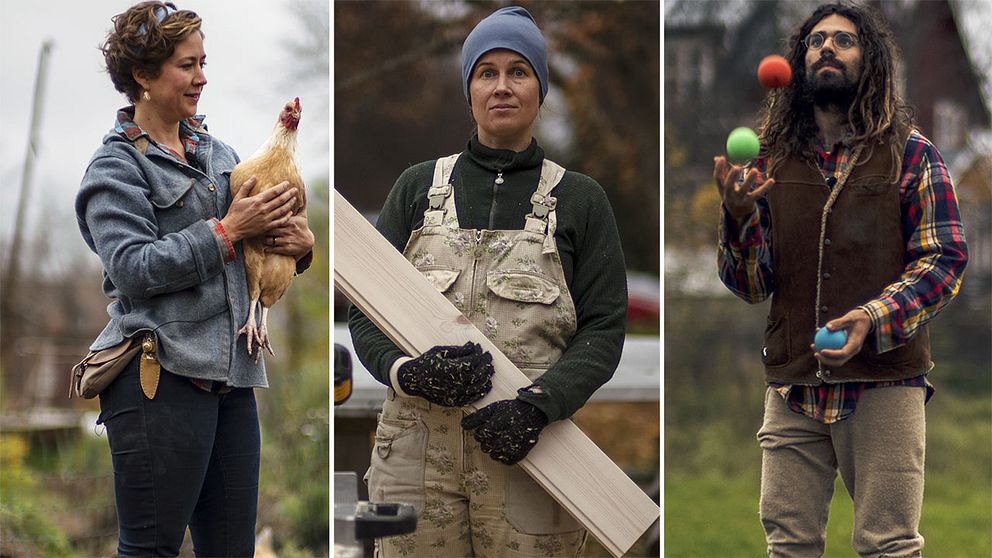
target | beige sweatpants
x=468, y=505
x=879, y=451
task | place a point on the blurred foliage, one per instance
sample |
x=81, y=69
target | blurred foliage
x=399, y=99
x=26, y=528
x=294, y=486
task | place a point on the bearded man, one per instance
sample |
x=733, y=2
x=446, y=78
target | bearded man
x=849, y=220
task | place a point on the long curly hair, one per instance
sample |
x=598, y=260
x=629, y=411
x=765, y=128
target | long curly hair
x=878, y=113
x=141, y=41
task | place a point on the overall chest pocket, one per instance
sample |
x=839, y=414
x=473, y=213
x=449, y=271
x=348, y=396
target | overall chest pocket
x=523, y=286
x=442, y=277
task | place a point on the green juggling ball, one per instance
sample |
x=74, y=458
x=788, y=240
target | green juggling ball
x=742, y=145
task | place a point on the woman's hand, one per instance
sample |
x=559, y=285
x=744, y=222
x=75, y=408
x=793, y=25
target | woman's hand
x=506, y=430
x=738, y=197
x=251, y=216
x=293, y=238
x=448, y=375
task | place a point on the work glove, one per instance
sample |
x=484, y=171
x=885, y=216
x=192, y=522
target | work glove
x=450, y=375
x=506, y=430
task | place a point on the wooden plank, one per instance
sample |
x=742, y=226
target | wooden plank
x=411, y=312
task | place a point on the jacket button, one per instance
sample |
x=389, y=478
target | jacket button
x=211, y=187
x=823, y=309
x=826, y=242
x=179, y=203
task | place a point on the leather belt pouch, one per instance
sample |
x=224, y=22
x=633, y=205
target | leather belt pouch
x=97, y=369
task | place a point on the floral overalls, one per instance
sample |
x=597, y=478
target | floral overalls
x=510, y=284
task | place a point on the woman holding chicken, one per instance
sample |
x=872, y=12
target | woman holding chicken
x=155, y=205
x=530, y=254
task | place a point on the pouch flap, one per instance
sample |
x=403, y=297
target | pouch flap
x=523, y=286
x=110, y=353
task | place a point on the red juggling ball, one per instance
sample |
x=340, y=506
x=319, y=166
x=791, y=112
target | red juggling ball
x=774, y=72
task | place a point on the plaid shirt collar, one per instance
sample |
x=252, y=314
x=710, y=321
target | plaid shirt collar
x=189, y=130
x=833, y=162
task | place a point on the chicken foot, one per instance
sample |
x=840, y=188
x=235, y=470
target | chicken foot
x=251, y=331
x=263, y=335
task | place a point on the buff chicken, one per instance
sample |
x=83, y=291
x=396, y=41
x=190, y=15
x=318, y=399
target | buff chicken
x=269, y=274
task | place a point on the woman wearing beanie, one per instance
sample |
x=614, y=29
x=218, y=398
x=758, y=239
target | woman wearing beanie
x=529, y=252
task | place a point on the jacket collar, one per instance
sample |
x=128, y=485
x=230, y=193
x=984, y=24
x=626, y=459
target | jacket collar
x=505, y=159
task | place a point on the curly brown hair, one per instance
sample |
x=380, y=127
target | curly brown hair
x=878, y=113
x=143, y=38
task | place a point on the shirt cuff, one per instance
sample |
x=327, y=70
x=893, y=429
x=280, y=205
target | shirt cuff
x=541, y=399
x=734, y=236
x=881, y=326
x=228, y=248
x=872, y=312
x=394, y=381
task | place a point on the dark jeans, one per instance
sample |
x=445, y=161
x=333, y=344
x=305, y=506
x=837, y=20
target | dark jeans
x=188, y=457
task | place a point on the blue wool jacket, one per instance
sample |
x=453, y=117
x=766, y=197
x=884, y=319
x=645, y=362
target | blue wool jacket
x=153, y=221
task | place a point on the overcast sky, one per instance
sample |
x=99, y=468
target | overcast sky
x=248, y=73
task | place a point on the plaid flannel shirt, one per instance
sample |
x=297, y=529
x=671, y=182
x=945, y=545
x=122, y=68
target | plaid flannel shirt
x=936, y=254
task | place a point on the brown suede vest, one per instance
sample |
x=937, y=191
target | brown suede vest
x=863, y=251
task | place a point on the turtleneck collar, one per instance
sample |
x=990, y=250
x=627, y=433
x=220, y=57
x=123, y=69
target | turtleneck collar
x=505, y=159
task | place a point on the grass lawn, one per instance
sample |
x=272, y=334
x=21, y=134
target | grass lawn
x=707, y=516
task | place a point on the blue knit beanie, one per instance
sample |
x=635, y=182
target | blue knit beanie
x=511, y=28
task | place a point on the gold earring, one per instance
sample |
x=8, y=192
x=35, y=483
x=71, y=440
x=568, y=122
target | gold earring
x=146, y=96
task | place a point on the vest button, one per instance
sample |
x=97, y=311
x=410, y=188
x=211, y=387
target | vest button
x=818, y=375
x=823, y=309
x=831, y=181
x=826, y=276
x=826, y=242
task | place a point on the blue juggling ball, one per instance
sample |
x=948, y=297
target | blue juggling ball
x=826, y=339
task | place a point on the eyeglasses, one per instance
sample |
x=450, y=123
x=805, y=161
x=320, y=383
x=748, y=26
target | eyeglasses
x=842, y=40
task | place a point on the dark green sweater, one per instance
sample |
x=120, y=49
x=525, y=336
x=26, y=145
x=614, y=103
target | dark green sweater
x=588, y=244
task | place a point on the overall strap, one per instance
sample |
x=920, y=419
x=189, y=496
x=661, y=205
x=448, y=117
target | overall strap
x=542, y=218
x=439, y=197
